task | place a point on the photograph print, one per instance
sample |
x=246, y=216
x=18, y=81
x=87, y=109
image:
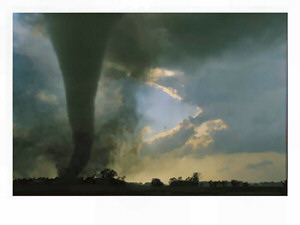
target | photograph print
x=155, y=104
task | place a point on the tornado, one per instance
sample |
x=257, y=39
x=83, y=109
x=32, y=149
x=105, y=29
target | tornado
x=79, y=41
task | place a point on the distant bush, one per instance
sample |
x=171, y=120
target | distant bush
x=156, y=182
x=236, y=183
x=106, y=177
x=106, y=174
x=190, y=181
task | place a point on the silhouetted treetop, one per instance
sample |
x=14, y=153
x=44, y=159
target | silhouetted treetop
x=106, y=174
x=156, y=182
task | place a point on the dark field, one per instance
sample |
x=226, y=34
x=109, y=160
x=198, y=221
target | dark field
x=45, y=188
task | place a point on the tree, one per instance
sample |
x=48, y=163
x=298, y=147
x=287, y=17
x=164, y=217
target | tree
x=108, y=174
x=156, y=182
x=173, y=179
x=97, y=174
x=195, y=178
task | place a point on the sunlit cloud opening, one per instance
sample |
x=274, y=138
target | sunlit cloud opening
x=184, y=124
x=199, y=111
x=170, y=91
x=158, y=73
x=204, y=133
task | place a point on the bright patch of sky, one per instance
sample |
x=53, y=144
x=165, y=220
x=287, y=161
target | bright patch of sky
x=161, y=111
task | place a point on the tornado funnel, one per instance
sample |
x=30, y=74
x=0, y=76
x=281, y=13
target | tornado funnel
x=79, y=41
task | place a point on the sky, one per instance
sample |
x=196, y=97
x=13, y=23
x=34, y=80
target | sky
x=177, y=94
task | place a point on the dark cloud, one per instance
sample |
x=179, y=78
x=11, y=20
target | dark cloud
x=51, y=142
x=135, y=44
x=140, y=41
x=198, y=37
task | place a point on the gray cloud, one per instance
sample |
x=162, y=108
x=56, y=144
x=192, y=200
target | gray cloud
x=259, y=165
x=40, y=127
x=249, y=96
x=174, y=140
x=224, y=169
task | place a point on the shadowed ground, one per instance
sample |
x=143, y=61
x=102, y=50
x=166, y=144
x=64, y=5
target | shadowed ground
x=94, y=187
